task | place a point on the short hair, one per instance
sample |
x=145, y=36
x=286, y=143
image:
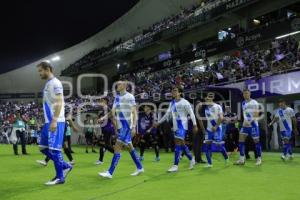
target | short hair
x=179, y=88
x=281, y=101
x=246, y=90
x=210, y=95
x=45, y=65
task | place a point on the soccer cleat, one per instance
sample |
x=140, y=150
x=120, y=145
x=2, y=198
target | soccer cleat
x=55, y=181
x=42, y=162
x=105, y=175
x=240, y=162
x=71, y=162
x=174, y=168
x=290, y=156
x=192, y=164
x=138, y=172
x=67, y=171
x=157, y=159
x=99, y=162
x=258, y=162
x=141, y=158
x=208, y=166
x=283, y=158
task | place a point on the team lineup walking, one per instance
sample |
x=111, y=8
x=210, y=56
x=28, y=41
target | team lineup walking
x=139, y=99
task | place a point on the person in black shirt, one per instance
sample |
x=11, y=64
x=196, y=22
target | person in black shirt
x=231, y=132
x=107, y=131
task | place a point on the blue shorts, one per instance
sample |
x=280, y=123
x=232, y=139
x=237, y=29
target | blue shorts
x=52, y=140
x=180, y=134
x=124, y=136
x=250, y=131
x=286, y=134
x=216, y=137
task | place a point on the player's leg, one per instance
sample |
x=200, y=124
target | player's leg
x=87, y=140
x=142, y=144
x=68, y=152
x=218, y=139
x=255, y=135
x=209, y=136
x=115, y=160
x=155, y=145
x=136, y=160
x=55, y=145
x=242, y=137
x=286, y=144
x=117, y=155
x=43, y=145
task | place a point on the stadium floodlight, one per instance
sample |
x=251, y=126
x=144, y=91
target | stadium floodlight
x=286, y=35
x=256, y=21
x=48, y=61
x=56, y=58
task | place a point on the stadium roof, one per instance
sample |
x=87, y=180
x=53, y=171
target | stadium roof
x=141, y=15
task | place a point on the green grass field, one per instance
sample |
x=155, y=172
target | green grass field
x=22, y=178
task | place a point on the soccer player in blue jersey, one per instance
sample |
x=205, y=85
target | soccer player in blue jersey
x=213, y=132
x=179, y=109
x=286, y=118
x=52, y=134
x=250, y=127
x=125, y=113
x=147, y=133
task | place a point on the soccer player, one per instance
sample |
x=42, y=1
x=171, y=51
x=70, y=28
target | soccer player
x=285, y=116
x=68, y=125
x=124, y=110
x=213, y=132
x=179, y=109
x=107, y=131
x=250, y=127
x=53, y=130
x=147, y=132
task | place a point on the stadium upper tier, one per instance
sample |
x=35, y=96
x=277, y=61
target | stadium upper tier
x=138, y=18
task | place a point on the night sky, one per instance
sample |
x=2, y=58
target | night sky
x=32, y=29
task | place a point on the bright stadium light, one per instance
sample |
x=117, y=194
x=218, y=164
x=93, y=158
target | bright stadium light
x=56, y=58
x=286, y=35
x=48, y=61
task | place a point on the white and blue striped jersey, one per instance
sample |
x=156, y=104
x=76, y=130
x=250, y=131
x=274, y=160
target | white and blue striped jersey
x=52, y=88
x=249, y=109
x=285, y=118
x=212, y=114
x=179, y=112
x=123, y=105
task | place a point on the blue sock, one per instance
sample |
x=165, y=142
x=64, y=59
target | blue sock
x=114, y=163
x=290, y=149
x=224, y=152
x=258, y=149
x=58, y=164
x=208, y=153
x=242, y=148
x=47, y=153
x=136, y=159
x=187, y=152
x=177, y=154
x=285, y=149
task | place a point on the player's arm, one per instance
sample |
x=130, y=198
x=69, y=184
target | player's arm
x=57, y=109
x=193, y=118
x=134, y=120
x=275, y=119
x=219, y=121
x=164, y=118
